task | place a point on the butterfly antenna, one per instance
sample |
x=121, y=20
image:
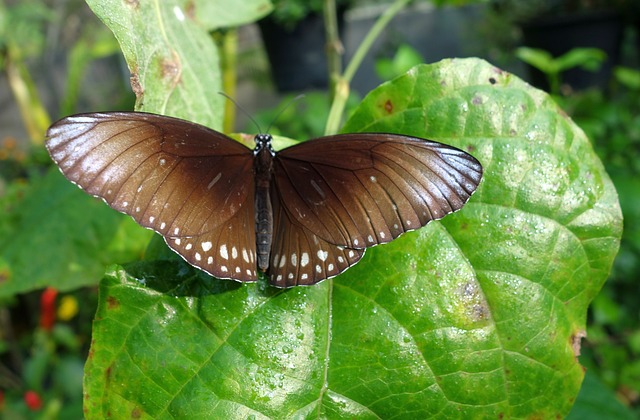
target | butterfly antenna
x=243, y=110
x=297, y=98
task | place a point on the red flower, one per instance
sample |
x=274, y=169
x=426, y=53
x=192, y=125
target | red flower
x=48, y=308
x=33, y=400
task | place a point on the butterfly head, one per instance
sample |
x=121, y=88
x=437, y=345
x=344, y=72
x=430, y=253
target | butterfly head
x=263, y=141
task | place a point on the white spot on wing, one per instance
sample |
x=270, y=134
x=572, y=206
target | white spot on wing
x=282, y=261
x=151, y=219
x=316, y=187
x=223, y=251
x=162, y=225
x=214, y=180
x=188, y=247
x=294, y=259
x=323, y=255
x=234, y=252
x=210, y=260
x=198, y=256
x=206, y=246
x=304, y=259
x=177, y=241
x=245, y=255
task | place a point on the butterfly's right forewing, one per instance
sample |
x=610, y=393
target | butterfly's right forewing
x=359, y=190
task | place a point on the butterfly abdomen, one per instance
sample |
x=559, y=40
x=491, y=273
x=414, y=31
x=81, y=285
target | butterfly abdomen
x=264, y=215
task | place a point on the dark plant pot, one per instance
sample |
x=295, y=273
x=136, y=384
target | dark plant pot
x=297, y=56
x=560, y=34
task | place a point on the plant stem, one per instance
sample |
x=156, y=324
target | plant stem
x=228, y=44
x=341, y=86
x=34, y=116
x=334, y=47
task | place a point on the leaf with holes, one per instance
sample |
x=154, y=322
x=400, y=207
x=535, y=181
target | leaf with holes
x=170, y=55
x=477, y=315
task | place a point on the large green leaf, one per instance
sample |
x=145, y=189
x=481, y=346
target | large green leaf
x=63, y=238
x=173, y=60
x=479, y=315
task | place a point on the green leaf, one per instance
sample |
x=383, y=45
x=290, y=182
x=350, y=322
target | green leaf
x=477, y=316
x=215, y=14
x=63, y=238
x=586, y=58
x=540, y=59
x=170, y=55
x=405, y=58
x=596, y=402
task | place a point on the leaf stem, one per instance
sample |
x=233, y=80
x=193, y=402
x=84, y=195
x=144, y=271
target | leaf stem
x=341, y=84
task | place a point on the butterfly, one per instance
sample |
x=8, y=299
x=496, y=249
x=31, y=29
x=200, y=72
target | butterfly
x=300, y=215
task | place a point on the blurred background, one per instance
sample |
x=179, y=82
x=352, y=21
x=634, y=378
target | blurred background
x=57, y=58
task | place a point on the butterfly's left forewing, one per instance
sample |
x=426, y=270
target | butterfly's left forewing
x=191, y=184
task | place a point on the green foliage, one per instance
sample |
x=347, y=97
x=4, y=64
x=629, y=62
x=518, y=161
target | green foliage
x=597, y=402
x=478, y=315
x=612, y=121
x=405, y=58
x=299, y=118
x=487, y=300
x=21, y=25
x=585, y=58
x=289, y=12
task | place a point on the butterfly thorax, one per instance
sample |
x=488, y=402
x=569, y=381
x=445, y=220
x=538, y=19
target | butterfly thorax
x=263, y=169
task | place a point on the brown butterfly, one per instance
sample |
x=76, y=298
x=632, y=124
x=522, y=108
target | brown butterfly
x=301, y=215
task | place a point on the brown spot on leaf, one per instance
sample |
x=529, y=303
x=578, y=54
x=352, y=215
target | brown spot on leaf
x=576, y=340
x=388, y=106
x=112, y=303
x=492, y=80
x=133, y=3
x=190, y=10
x=5, y=274
x=171, y=69
x=136, y=413
x=137, y=88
